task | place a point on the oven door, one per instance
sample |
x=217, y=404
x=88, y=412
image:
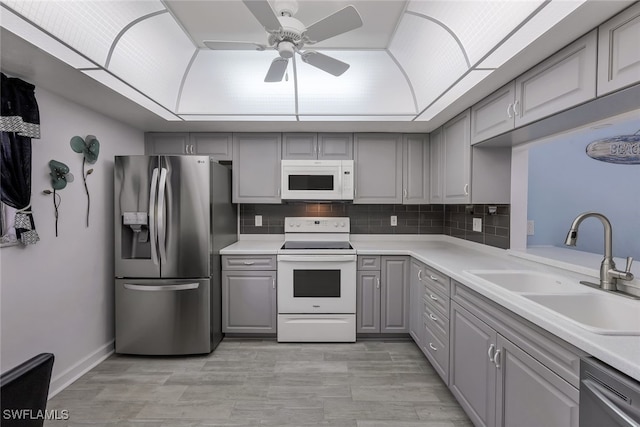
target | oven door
x=311, y=180
x=316, y=284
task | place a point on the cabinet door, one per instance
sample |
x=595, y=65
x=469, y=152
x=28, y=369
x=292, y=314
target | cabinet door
x=167, y=143
x=456, y=160
x=394, y=294
x=494, y=114
x=335, y=146
x=378, y=168
x=215, y=145
x=564, y=80
x=415, y=179
x=256, y=168
x=618, y=53
x=368, y=302
x=249, y=301
x=529, y=394
x=300, y=146
x=435, y=166
x=416, y=305
x=472, y=373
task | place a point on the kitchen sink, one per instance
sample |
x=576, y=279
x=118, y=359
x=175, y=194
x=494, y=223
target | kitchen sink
x=596, y=312
x=524, y=281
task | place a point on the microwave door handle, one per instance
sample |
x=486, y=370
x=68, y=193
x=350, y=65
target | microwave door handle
x=608, y=405
x=153, y=190
x=162, y=214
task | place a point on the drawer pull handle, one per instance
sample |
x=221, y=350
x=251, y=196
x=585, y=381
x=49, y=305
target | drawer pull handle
x=434, y=278
x=433, y=297
x=492, y=348
x=432, y=317
x=249, y=262
x=273, y=283
x=377, y=283
x=496, y=358
x=433, y=347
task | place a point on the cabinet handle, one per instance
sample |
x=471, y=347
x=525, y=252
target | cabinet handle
x=515, y=107
x=273, y=283
x=249, y=262
x=404, y=193
x=434, y=278
x=433, y=317
x=433, y=297
x=420, y=275
x=278, y=192
x=432, y=347
x=492, y=347
x=508, y=113
x=377, y=283
x=496, y=358
x=466, y=189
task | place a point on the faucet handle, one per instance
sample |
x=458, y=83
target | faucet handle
x=629, y=262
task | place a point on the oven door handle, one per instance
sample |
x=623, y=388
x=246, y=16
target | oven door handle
x=316, y=258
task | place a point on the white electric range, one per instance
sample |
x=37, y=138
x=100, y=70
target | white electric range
x=317, y=281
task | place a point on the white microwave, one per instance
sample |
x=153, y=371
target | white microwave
x=317, y=179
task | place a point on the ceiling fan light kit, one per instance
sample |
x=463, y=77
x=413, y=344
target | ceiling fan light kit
x=287, y=35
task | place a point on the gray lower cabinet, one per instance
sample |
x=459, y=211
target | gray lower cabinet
x=416, y=305
x=378, y=168
x=506, y=372
x=382, y=304
x=256, y=167
x=249, y=294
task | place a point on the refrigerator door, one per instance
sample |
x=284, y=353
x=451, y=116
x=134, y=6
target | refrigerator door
x=135, y=195
x=184, y=230
x=163, y=317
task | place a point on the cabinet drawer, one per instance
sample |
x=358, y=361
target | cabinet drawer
x=436, y=301
x=368, y=262
x=434, y=280
x=436, y=323
x=437, y=352
x=240, y=262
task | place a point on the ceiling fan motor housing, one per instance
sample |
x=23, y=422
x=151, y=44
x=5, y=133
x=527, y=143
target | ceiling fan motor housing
x=289, y=38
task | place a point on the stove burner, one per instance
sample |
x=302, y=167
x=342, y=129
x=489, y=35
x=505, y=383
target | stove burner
x=316, y=245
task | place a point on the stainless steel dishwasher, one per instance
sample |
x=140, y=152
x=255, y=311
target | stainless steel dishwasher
x=607, y=397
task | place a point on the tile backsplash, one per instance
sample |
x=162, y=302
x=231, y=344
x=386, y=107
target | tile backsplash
x=453, y=220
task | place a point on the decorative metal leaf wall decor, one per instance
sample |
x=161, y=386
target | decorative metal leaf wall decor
x=90, y=149
x=60, y=176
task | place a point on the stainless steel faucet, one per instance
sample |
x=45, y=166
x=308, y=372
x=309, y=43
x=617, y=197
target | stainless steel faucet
x=609, y=276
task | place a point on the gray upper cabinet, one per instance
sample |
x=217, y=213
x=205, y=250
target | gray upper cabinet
x=415, y=170
x=256, y=167
x=322, y=146
x=456, y=160
x=435, y=166
x=169, y=143
x=618, y=52
x=378, y=168
x=394, y=299
x=563, y=80
x=215, y=145
x=494, y=114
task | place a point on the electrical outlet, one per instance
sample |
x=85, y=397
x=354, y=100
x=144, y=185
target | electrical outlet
x=477, y=224
x=258, y=220
x=531, y=230
x=394, y=220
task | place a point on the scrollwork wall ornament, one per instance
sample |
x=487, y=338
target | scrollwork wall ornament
x=60, y=176
x=90, y=149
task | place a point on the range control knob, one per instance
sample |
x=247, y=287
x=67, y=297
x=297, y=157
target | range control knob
x=298, y=225
x=335, y=224
x=342, y=224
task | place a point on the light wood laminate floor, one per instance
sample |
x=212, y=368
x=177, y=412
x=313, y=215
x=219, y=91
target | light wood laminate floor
x=263, y=383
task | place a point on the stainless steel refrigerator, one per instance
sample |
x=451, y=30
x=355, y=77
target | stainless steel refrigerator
x=172, y=216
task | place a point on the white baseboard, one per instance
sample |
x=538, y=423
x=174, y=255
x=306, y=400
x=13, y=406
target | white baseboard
x=62, y=381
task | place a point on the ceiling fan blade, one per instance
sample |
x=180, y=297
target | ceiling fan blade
x=276, y=70
x=263, y=12
x=344, y=20
x=231, y=45
x=324, y=62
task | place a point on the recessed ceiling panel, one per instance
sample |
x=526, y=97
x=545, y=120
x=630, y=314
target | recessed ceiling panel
x=373, y=84
x=356, y=118
x=90, y=27
x=429, y=55
x=153, y=56
x=232, y=82
x=479, y=25
x=242, y=118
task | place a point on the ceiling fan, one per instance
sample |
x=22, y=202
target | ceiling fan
x=287, y=35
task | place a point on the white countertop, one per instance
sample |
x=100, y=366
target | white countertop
x=453, y=256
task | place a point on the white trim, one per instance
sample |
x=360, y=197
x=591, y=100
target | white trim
x=66, y=378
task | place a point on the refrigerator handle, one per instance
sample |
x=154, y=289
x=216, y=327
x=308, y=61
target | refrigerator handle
x=162, y=219
x=152, y=215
